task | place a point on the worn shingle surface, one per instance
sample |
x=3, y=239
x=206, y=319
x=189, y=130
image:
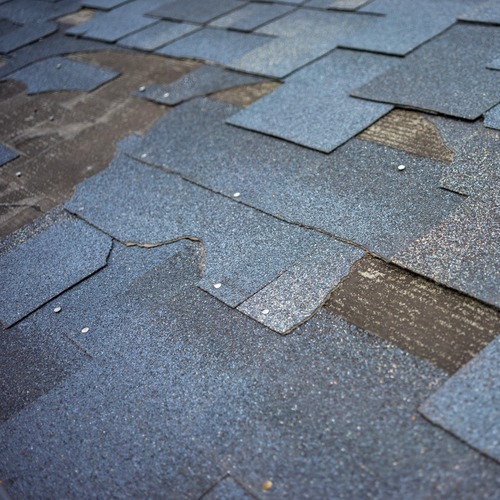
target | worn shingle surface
x=357, y=193
x=60, y=73
x=447, y=75
x=164, y=383
x=7, y=154
x=200, y=82
x=76, y=250
x=25, y=35
x=324, y=116
x=245, y=249
x=468, y=404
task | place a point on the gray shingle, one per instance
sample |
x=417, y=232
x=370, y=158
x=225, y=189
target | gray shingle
x=60, y=73
x=7, y=154
x=337, y=4
x=251, y=16
x=195, y=11
x=302, y=36
x=214, y=44
x=314, y=108
x=47, y=264
x=486, y=12
x=468, y=405
x=157, y=35
x=35, y=11
x=25, y=35
x=356, y=193
x=103, y=4
x=245, y=249
x=200, y=82
x=447, y=75
x=492, y=118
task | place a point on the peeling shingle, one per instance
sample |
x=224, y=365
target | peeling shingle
x=468, y=404
x=356, y=193
x=202, y=81
x=47, y=264
x=293, y=297
x=60, y=73
x=447, y=75
x=313, y=108
x=245, y=249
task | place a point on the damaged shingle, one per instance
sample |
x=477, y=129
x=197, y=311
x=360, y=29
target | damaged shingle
x=7, y=154
x=447, y=75
x=310, y=112
x=200, y=82
x=47, y=264
x=356, y=193
x=245, y=249
x=60, y=73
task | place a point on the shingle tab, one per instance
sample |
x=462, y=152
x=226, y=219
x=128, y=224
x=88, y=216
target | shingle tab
x=60, y=73
x=47, y=264
x=25, y=35
x=245, y=249
x=468, y=404
x=202, y=81
x=314, y=108
x=356, y=193
x=485, y=12
x=157, y=35
x=7, y=154
x=447, y=75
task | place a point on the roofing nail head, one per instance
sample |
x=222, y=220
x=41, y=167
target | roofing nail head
x=401, y=167
x=57, y=309
x=265, y=312
x=236, y=195
x=166, y=94
x=51, y=118
x=142, y=89
x=217, y=285
x=85, y=330
x=144, y=155
x=18, y=174
x=59, y=66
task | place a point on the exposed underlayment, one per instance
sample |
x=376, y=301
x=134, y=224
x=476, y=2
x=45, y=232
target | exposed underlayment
x=417, y=315
x=411, y=132
x=468, y=404
x=257, y=310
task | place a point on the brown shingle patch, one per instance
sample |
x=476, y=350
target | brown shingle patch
x=417, y=315
x=246, y=94
x=410, y=132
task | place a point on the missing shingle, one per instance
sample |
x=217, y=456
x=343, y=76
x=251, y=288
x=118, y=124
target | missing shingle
x=77, y=18
x=246, y=94
x=418, y=315
x=411, y=132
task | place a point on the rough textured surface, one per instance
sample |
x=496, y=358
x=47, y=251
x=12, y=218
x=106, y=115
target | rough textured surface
x=119, y=22
x=25, y=35
x=171, y=366
x=7, y=154
x=337, y=4
x=301, y=37
x=462, y=252
x=246, y=95
x=214, y=44
x=411, y=132
x=203, y=81
x=196, y=11
x=486, y=12
x=495, y=64
x=419, y=316
x=447, y=75
x=46, y=265
x=60, y=73
x=492, y=118
x=293, y=298
x=325, y=116
x=405, y=24
x=226, y=489
x=245, y=249
x=356, y=193
x=251, y=16
x=36, y=11
x=157, y=35
x=468, y=405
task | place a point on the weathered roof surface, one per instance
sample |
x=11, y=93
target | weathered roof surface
x=272, y=276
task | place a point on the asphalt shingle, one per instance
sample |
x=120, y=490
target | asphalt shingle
x=25, y=35
x=447, y=75
x=7, y=154
x=311, y=113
